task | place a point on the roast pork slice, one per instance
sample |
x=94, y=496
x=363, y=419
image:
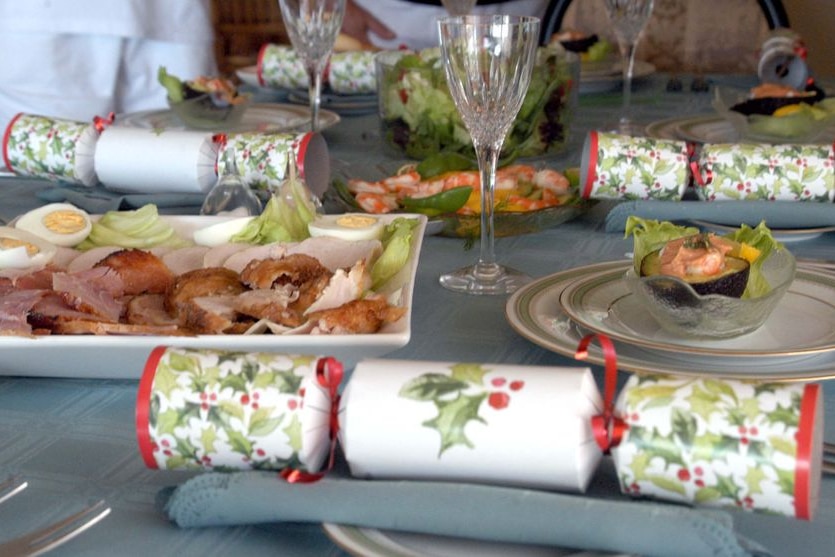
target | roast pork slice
x=335, y=253
x=15, y=306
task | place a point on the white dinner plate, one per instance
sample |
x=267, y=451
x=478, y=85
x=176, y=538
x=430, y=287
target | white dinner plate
x=803, y=322
x=779, y=234
x=370, y=542
x=123, y=357
x=260, y=117
x=535, y=313
x=706, y=128
x=601, y=81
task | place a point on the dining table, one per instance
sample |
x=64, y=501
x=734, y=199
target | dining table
x=74, y=438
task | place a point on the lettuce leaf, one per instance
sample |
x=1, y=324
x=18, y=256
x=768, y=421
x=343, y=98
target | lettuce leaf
x=284, y=218
x=650, y=235
x=397, y=245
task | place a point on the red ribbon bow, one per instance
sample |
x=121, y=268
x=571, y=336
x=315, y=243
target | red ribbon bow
x=329, y=374
x=101, y=123
x=607, y=428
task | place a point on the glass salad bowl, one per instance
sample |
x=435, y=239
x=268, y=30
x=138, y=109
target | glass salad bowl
x=680, y=310
x=419, y=118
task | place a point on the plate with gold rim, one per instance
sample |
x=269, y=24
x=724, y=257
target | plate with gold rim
x=371, y=542
x=534, y=312
x=602, y=302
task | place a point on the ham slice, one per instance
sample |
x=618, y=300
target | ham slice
x=94, y=291
x=14, y=311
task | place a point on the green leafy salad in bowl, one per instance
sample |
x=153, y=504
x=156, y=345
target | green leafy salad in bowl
x=419, y=117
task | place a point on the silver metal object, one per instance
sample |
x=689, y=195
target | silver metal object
x=11, y=487
x=55, y=534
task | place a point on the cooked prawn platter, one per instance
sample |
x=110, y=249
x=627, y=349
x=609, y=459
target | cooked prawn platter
x=447, y=187
x=98, y=308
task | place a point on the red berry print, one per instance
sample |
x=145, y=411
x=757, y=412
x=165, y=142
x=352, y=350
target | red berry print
x=498, y=400
x=245, y=399
x=292, y=404
x=684, y=475
x=498, y=381
x=516, y=385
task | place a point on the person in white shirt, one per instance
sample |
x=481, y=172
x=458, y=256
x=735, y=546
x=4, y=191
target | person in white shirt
x=77, y=59
x=411, y=23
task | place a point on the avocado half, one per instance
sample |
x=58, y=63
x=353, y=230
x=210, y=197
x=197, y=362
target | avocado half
x=730, y=282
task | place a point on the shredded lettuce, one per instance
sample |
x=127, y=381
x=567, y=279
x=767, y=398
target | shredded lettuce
x=285, y=217
x=397, y=245
x=141, y=228
x=651, y=235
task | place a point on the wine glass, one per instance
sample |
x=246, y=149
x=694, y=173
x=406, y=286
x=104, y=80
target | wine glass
x=458, y=7
x=488, y=61
x=231, y=195
x=628, y=19
x=313, y=26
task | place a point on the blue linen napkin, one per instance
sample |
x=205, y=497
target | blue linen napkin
x=463, y=510
x=98, y=200
x=777, y=214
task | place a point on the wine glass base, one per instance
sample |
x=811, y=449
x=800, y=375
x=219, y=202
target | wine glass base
x=484, y=280
x=627, y=127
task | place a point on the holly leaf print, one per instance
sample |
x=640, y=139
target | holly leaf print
x=207, y=438
x=782, y=415
x=702, y=403
x=643, y=395
x=639, y=466
x=655, y=445
x=231, y=408
x=785, y=479
x=471, y=373
x=684, y=427
x=166, y=422
x=287, y=381
x=704, y=447
x=754, y=479
x=453, y=416
x=238, y=442
x=294, y=434
x=430, y=386
x=165, y=381
x=706, y=495
x=181, y=362
x=760, y=450
x=726, y=487
x=262, y=422
x=234, y=382
x=667, y=484
x=783, y=445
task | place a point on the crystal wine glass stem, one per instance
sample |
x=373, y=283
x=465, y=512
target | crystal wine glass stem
x=488, y=158
x=628, y=54
x=315, y=93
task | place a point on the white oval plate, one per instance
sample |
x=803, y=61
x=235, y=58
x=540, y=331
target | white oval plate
x=706, y=128
x=535, y=313
x=802, y=323
x=370, y=542
x=260, y=117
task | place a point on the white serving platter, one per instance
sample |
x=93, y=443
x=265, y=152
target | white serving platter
x=124, y=357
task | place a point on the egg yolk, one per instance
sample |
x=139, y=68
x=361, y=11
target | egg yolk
x=64, y=222
x=356, y=221
x=11, y=243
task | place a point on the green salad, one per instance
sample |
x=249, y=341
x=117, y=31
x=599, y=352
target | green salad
x=419, y=116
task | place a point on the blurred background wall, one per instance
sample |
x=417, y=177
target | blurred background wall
x=815, y=21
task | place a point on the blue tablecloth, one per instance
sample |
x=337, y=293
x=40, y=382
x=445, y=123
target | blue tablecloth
x=74, y=439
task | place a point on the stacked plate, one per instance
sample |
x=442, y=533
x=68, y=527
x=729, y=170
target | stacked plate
x=797, y=342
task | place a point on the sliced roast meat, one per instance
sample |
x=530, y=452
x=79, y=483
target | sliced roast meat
x=15, y=306
x=95, y=291
x=214, y=281
x=141, y=271
x=148, y=309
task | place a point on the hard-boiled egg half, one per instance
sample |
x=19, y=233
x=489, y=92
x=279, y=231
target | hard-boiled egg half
x=61, y=224
x=350, y=226
x=21, y=250
x=220, y=233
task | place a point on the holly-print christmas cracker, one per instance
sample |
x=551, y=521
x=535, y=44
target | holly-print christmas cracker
x=233, y=410
x=499, y=424
x=730, y=171
x=751, y=446
x=622, y=167
x=348, y=73
x=51, y=148
x=262, y=159
x=279, y=66
x=353, y=73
